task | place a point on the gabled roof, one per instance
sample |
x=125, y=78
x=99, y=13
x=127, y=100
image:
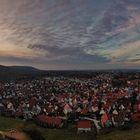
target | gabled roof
x=136, y=117
x=84, y=111
x=137, y=107
x=84, y=124
x=50, y=120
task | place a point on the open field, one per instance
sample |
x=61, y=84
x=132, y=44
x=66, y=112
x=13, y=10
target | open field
x=70, y=133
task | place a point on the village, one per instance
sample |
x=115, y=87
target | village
x=97, y=103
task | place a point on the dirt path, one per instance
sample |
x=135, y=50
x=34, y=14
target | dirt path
x=16, y=135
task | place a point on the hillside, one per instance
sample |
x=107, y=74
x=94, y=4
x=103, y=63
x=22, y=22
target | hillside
x=13, y=72
x=70, y=133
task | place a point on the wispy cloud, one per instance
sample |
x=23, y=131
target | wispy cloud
x=79, y=32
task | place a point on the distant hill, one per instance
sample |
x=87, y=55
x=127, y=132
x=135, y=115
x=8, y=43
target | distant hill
x=19, y=69
x=15, y=72
x=26, y=72
x=24, y=69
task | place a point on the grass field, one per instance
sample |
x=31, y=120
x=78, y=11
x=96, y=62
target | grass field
x=70, y=133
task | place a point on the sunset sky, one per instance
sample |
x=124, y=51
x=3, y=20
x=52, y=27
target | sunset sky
x=70, y=34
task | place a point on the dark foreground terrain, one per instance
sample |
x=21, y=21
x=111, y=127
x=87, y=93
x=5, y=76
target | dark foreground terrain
x=70, y=132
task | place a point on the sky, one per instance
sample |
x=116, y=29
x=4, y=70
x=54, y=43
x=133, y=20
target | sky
x=70, y=34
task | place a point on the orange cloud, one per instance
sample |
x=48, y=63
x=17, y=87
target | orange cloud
x=8, y=49
x=127, y=50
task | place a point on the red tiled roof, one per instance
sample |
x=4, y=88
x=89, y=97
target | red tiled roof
x=84, y=111
x=136, y=117
x=84, y=124
x=50, y=120
x=135, y=81
x=137, y=107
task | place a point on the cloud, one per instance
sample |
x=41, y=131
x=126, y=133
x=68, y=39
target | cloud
x=127, y=50
x=65, y=32
x=69, y=55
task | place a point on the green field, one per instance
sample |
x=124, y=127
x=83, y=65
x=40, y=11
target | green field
x=70, y=133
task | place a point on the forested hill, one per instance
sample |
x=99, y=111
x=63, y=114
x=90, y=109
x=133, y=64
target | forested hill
x=16, y=72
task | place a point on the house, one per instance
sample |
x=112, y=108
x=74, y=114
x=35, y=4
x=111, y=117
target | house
x=137, y=107
x=136, y=117
x=104, y=119
x=50, y=121
x=84, y=111
x=84, y=126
